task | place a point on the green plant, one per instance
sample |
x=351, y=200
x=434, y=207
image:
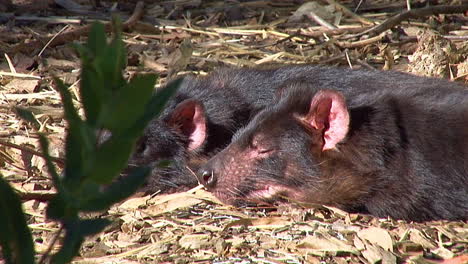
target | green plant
x=111, y=103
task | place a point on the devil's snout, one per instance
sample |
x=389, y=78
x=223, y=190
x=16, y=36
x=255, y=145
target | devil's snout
x=207, y=177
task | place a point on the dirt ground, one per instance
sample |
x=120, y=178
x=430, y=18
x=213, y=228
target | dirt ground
x=181, y=36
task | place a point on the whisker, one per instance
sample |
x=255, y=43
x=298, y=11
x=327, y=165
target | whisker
x=193, y=173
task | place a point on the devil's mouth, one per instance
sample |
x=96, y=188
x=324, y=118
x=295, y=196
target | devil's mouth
x=266, y=192
x=270, y=193
x=258, y=195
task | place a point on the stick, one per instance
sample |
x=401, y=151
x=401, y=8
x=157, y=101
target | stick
x=75, y=34
x=413, y=13
x=59, y=161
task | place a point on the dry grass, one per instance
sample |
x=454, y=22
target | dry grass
x=175, y=37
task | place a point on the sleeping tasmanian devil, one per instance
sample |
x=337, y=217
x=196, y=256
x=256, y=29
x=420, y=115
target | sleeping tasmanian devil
x=382, y=143
x=204, y=114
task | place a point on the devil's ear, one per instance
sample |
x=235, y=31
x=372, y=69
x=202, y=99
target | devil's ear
x=328, y=113
x=189, y=118
x=294, y=86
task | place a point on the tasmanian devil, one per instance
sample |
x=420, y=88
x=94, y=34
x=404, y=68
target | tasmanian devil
x=400, y=150
x=204, y=114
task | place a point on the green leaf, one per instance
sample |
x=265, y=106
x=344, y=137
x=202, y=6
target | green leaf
x=154, y=107
x=113, y=154
x=15, y=237
x=117, y=191
x=111, y=157
x=50, y=165
x=128, y=103
x=97, y=39
x=80, y=139
x=89, y=227
x=57, y=208
x=76, y=230
x=80, y=148
x=92, y=90
x=27, y=115
x=71, y=115
x=115, y=58
x=83, y=51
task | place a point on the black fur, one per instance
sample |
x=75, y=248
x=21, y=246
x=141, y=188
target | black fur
x=405, y=154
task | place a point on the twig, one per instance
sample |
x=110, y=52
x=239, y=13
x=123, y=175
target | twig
x=413, y=13
x=137, y=15
x=337, y=31
x=52, y=39
x=278, y=41
x=40, y=95
x=347, y=59
x=350, y=13
x=361, y=42
x=314, y=17
x=365, y=64
x=50, y=19
x=51, y=246
x=39, y=196
x=10, y=64
x=57, y=160
x=75, y=34
x=20, y=75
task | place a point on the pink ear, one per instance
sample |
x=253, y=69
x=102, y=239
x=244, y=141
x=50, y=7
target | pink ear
x=189, y=118
x=328, y=112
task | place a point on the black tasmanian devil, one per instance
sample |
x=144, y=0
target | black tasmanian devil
x=204, y=114
x=399, y=150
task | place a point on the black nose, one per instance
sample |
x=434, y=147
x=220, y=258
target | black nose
x=207, y=177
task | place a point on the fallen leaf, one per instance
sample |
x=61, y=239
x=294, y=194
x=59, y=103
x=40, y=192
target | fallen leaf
x=196, y=241
x=22, y=85
x=171, y=202
x=324, y=12
x=270, y=222
x=155, y=249
x=134, y=203
x=443, y=253
x=377, y=236
x=324, y=242
x=463, y=259
x=419, y=238
x=374, y=254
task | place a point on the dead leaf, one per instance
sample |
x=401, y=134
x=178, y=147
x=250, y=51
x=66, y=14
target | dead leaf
x=195, y=241
x=375, y=254
x=126, y=239
x=324, y=12
x=180, y=58
x=23, y=62
x=419, y=238
x=22, y=85
x=270, y=222
x=463, y=259
x=322, y=242
x=134, y=203
x=377, y=236
x=157, y=248
x=443, y=253
x=168, y=203
x=205, y=195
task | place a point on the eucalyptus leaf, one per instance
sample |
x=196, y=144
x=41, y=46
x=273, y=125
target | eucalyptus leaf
x=97, y=39
x=128, y=103
x=117, y=190
x=15, y=237
x=27, y=115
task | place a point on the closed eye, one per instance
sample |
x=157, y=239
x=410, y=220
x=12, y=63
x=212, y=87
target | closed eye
x=260, y=145
x=264, y=151
x=259, y=148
